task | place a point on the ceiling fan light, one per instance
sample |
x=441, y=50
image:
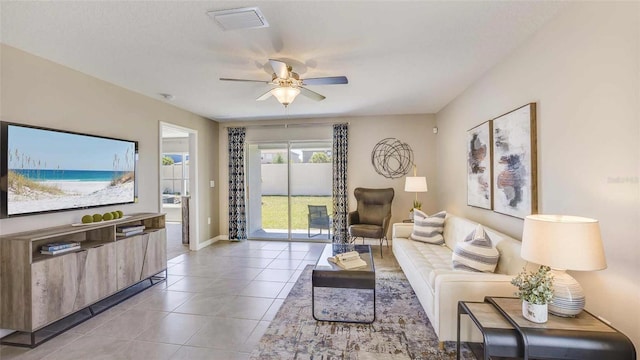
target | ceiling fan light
x=285, y=94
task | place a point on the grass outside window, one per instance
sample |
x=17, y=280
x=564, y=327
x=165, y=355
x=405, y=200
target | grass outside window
x=274, y=211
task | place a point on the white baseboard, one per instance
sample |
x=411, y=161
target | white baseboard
x=203, y=245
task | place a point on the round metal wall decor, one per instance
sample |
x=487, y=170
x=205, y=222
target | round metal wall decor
x=392, y=158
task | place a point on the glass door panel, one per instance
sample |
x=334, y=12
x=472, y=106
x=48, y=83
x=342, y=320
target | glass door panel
x=268, y=190
x=311, y=190
x=289, y=191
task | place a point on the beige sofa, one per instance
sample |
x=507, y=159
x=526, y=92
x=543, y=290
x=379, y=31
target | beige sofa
x=439, y=287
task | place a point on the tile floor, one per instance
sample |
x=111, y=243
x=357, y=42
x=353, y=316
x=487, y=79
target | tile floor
x=174, y=240
x=215, y=304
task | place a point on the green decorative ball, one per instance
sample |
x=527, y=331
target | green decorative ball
x=97, y=217
x=115, y=214
x=87, y=219
x=120, y=213
x=107, y=216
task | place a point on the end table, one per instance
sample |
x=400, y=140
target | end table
x=500, y=338
x=583, y=337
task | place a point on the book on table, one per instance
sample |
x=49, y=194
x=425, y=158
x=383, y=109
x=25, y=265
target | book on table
x=349, y=260
x=129, y=230
x=60, y=251
x=59, y=245
x=129, y=233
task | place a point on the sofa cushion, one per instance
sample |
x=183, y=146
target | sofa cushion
x=427, y=228
x=428, y=260
x=476, y=252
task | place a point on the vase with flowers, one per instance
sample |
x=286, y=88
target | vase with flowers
x=535, y=289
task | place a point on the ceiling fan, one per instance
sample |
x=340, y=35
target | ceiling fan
x=289, y=85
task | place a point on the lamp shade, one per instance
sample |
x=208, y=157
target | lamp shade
x=415, y=184
x=285, y=94
x=563, y=242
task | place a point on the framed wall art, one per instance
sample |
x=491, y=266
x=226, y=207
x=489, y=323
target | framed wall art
x=514, y=162
x=479, y=182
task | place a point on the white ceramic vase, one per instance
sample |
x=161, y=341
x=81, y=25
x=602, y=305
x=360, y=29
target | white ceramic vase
x=534, y=312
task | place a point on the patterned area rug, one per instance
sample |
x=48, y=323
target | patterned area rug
x=401, y=329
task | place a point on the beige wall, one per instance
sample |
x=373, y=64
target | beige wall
x=583, y=71
x=364, y=133
x=38, y=92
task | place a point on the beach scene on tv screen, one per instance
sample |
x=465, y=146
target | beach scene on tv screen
x=49, y=170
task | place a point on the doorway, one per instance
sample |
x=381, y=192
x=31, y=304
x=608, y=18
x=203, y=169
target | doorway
x=177, y=187
x=289, y=190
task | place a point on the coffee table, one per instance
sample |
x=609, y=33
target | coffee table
x=329, y=275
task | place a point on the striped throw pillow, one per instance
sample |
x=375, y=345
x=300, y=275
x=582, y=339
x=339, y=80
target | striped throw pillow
x=476, y=253
x=427, y=228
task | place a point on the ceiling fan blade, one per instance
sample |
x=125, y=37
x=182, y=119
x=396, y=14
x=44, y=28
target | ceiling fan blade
x=330, y=80
x=264, y=96
x=245, y=80
x=280, y=69
x=311, y=94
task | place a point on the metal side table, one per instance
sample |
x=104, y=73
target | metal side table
x=583, y=337
x=500, y=338
x=329, y=275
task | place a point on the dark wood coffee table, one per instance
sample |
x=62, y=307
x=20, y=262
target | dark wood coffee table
x=329, y=275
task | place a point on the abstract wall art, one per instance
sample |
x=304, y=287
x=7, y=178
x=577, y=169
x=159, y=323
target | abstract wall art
x=514, y=162
x=392, y=158
x=479, y=166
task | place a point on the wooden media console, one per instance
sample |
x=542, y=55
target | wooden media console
x=43, y=295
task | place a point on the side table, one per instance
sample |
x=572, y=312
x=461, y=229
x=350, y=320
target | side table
x=500, y=338
x=583, y=337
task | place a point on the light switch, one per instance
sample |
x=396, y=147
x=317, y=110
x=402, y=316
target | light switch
x=212, y=183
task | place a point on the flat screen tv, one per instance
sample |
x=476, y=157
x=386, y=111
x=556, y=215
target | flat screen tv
x=44, y=170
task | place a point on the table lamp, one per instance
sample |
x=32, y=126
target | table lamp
x=564, y=243
x=415, y=184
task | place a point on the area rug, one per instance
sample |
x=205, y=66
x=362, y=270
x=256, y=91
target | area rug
x=401, y=329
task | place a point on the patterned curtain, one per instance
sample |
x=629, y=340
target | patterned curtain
x=340, y=195
x=237, y=212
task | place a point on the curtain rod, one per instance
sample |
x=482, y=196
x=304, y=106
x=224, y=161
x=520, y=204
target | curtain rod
x=288, y=125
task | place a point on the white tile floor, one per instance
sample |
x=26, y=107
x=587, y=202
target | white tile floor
x=216, y=304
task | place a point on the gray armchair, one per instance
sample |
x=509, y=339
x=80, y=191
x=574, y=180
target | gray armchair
x=372, y=216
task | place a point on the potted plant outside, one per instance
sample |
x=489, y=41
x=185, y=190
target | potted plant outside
x=535, y=289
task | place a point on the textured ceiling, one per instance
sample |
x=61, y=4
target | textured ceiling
x=400, y=57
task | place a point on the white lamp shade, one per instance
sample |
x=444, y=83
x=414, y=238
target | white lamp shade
x=563, y=242
x=415, y=184
x=285, y=94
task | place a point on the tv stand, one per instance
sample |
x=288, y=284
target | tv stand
x=43, y=295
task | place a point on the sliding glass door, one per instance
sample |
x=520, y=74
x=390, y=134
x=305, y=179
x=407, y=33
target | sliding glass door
x=289, y=190
x=310, y=191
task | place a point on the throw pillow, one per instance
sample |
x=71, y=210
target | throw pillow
x=476, y=253
x=427, y=228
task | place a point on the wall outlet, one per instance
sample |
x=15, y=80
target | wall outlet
x=209, y=220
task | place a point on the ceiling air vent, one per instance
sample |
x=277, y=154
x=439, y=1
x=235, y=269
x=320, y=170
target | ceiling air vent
x=234, y=19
